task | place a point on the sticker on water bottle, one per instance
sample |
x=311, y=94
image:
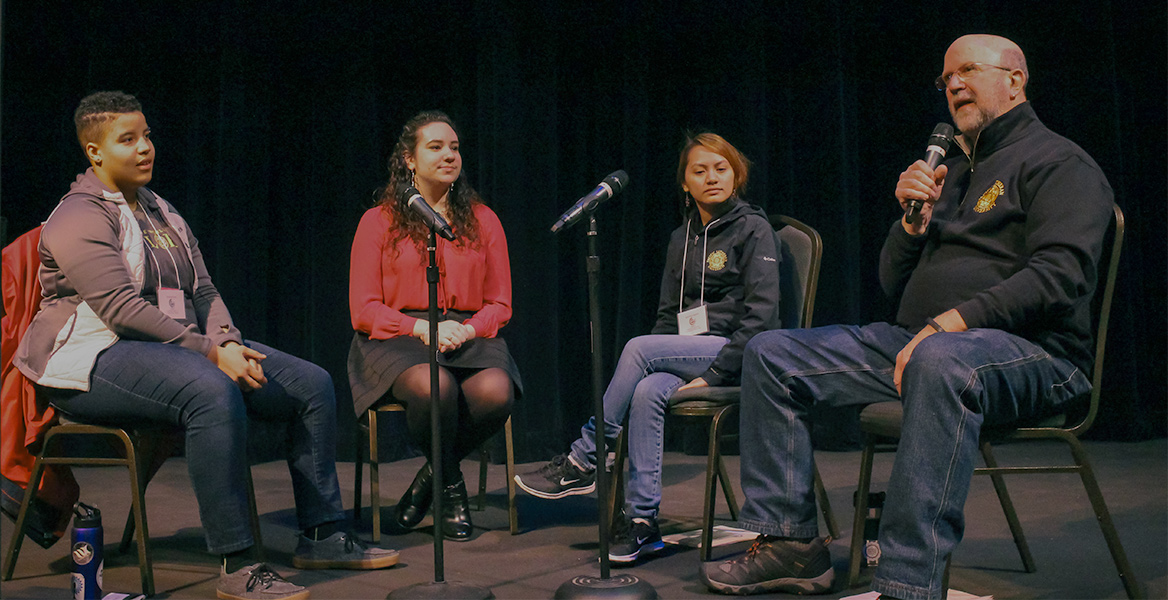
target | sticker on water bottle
x=78, y=585
x=82, y=553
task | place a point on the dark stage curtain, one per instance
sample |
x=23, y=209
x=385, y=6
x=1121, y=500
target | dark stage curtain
x=273, y=122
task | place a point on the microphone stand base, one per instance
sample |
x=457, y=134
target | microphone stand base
x=598, y=588
x=442, y=590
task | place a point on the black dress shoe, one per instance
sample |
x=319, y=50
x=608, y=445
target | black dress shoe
x=456, y=523
x=414, y=505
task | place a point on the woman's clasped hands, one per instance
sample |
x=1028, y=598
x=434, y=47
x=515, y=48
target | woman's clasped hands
x=451, y=334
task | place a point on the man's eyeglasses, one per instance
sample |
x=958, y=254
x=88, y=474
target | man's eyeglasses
x=964, y=72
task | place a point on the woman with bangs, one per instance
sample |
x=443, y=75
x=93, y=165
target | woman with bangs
x=719, y=288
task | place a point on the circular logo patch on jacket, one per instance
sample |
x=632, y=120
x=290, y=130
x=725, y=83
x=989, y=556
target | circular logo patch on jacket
x=716, y=260
x=990, y=197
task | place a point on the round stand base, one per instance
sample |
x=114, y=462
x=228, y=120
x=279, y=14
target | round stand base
x=596, y=588
x=441, y=589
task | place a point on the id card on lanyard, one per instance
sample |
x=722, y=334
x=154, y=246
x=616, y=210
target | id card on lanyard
x=694, y=321
x=171, y=301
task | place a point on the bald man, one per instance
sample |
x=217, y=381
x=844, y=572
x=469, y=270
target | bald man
x=993, y=286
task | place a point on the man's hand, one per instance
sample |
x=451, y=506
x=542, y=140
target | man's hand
x=950, y=320
x=922, y=184
x=241, y=364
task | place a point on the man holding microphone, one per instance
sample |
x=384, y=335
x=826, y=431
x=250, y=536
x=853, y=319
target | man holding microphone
x=993, y=282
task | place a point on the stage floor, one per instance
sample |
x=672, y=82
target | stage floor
x=559, y=538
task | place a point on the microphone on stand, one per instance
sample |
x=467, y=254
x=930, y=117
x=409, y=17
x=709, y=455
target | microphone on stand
x=611, y=186
x=413, y=198
x=938, y=146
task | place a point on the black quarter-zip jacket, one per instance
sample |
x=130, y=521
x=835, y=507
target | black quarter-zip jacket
x=737, y=253
x=1014, y=241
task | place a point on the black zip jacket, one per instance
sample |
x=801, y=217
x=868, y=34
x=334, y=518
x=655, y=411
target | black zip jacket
x=1014, y=241
x=737, y=252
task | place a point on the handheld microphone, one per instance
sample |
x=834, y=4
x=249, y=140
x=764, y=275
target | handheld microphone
x=611, y=186
x=413, y=198
x=938, y=146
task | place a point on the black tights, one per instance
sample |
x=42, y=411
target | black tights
x=479, y=398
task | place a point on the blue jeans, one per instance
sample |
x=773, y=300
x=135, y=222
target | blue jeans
x=134, y=381
x=650, y=369
x=953, y=384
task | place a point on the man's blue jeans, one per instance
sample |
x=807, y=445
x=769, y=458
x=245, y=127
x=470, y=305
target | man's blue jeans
x=134, y=381
x=650, y=369
x=953, y=384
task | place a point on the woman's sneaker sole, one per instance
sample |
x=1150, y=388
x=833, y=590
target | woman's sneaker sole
x=632, y=557
x=572, y=491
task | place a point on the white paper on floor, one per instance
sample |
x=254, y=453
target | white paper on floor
x=953, y=595
x=723, y=535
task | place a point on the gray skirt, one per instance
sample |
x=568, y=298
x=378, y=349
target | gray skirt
x=375, y=364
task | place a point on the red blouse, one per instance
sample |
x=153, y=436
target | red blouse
x=382, y=283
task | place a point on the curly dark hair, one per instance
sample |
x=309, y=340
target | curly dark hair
x=96, y=110
x=461, y=202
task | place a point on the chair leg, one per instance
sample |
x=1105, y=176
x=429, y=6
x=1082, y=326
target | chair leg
x=34, y=482
x=138, y=505
x=484, y=456
x=147, y=446
x=358, y=471
x=512, y=513
x=716, y=451
x=945, y=577
x=616, y=481
x=824, y=503
x=1130, y=585
x=374, y=477
x=253, y=512
x=715, y=470
x=999, y=482
x=863, y=487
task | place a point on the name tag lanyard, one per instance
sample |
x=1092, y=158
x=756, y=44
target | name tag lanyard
x=170, y=300
x=694, y=321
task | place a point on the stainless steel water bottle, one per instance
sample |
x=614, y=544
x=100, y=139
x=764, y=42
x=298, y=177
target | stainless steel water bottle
x=88, y=540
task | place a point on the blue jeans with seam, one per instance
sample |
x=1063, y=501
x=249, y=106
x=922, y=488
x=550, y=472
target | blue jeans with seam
x=134, y=381
x=650, y=369
x=953, y=385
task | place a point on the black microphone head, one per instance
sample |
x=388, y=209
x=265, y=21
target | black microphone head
x=406, y=191
x=617, y=181
x=942, y=135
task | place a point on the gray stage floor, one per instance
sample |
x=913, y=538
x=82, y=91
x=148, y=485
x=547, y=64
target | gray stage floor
x=558, y=539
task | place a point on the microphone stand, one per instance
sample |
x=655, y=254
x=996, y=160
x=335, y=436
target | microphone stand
x=625, y=585
x=439, y=588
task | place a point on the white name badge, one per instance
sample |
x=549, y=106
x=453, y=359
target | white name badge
x=693, y=321
x=171, y=303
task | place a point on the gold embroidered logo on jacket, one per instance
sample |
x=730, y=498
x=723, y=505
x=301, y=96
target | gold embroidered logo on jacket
x=717, y=260
x=990, y=197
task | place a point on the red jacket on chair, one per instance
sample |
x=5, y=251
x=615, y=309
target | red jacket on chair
x=23, y=421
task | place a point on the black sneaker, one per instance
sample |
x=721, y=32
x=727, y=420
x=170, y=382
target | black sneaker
x=558, y=479
x=641, y=535
x=773, y=565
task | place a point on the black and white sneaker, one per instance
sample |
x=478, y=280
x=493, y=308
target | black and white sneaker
x=641, y=535
x=559, y=478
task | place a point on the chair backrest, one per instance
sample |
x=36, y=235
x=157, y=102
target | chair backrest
x=1101, y=312
x=802, y=251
